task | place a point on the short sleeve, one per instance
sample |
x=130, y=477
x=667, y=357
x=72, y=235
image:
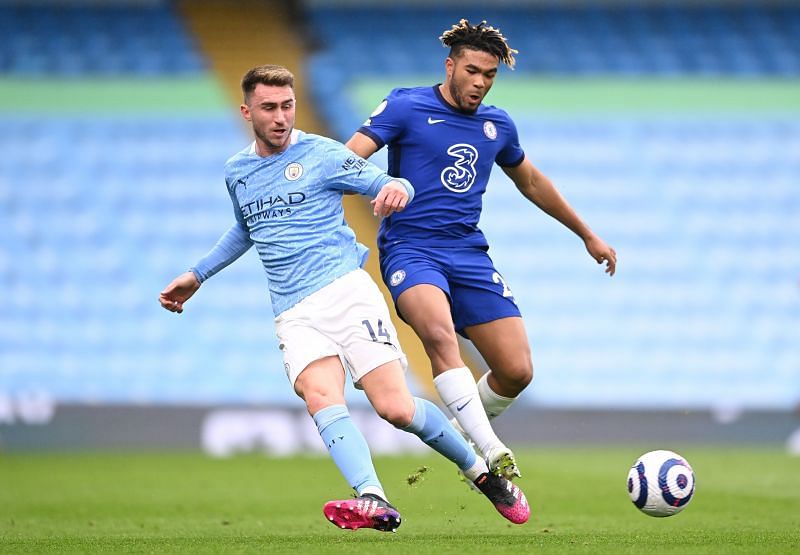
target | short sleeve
x=387, y=121
x=511, y=155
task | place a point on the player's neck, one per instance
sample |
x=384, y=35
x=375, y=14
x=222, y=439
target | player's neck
x=265, y=150
x=444, y=90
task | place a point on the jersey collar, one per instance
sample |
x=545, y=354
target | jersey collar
x=293, y=138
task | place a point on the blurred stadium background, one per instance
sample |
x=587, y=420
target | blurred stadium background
x=672, y=127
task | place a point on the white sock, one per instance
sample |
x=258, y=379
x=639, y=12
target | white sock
x=459, y=392
x=374, y=490
x=493, y=404
x=476, y=469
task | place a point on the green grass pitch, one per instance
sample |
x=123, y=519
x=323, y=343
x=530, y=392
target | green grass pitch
x=746, y=501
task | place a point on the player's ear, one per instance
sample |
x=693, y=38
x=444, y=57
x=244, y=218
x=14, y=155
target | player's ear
x=245, y=110
x=449, y=65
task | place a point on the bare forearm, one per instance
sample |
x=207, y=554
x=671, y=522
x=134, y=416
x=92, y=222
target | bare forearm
x=537, y=188
x=543, y=194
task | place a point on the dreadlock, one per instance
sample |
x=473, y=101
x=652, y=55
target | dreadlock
x=482, y=37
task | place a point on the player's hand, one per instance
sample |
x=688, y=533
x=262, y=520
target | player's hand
x=392, y=198
x=178, y=292
x=601, y=252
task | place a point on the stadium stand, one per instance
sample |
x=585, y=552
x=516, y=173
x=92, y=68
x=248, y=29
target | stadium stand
x=105, y=206
x=101, y=209
x=701, y=204
x=745, y=40
x=117, y=39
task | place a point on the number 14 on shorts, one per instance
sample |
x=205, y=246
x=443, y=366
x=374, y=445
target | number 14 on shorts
x=381, y=331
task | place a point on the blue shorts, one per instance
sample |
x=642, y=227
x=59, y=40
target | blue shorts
x=476, y=290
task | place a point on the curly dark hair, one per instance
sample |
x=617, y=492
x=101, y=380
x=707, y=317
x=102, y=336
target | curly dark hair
x=482, y=37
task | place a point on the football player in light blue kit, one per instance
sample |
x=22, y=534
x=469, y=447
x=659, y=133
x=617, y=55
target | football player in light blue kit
x=433, y=256
x=286, y=189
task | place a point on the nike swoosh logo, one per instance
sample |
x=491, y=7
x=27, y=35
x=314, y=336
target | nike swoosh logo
x=464, y=405
x=431, y=121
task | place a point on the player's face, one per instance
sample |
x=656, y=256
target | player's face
x=470, y=75
x=270, y=110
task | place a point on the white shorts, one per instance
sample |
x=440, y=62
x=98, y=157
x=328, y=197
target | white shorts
x=348, y=318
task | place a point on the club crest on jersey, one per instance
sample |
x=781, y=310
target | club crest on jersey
x=293, y=171
x=461, y=175
x=489, y=130
x=397, y=278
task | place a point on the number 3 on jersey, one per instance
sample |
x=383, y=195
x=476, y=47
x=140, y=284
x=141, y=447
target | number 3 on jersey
x=381, y=331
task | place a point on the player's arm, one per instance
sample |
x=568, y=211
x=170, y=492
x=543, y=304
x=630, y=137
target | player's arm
x=392, y=197
x=537, y=188
x=233, y=244
x=230, y=246
x=362, y=145
x=355, y=174
x=179, y=291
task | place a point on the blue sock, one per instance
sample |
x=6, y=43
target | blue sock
x=433, y=428
x=347, y=446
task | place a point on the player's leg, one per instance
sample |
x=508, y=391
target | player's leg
x=386, y=389
x=484, y=305
x=363, y=329
x=315, y=370
x=419, y=286
x=374, y=357
x=503, y=343
x=427, y=310
x=485, y=311
x=321, y=386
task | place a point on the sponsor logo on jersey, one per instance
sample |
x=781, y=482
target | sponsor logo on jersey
x=461, y=175
x=293, y=171
x=432, y=121
x=276, y=206
x=489, y=130
x=354, y=163
x=397, y=278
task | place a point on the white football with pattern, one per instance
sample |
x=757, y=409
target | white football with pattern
x=661, y=483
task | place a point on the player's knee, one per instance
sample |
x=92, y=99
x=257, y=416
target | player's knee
x=439, y=339
x=317, y=399
x=397, y=414
x=516, y=377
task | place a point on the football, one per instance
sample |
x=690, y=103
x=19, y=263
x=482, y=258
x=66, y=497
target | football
x=661, y=483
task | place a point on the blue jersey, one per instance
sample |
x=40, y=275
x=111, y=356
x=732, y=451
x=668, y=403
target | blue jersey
x=448, y=155
x=289, y=205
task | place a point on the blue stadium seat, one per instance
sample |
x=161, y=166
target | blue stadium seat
x=738, y=39
x=707, y=296
x=96, y=40
x=104, y=212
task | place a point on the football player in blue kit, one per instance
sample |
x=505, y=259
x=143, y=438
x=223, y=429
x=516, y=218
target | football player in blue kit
x=286, y=188
x=433, y=256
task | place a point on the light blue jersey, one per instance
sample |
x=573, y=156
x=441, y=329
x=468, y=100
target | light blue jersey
x=289, y=205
